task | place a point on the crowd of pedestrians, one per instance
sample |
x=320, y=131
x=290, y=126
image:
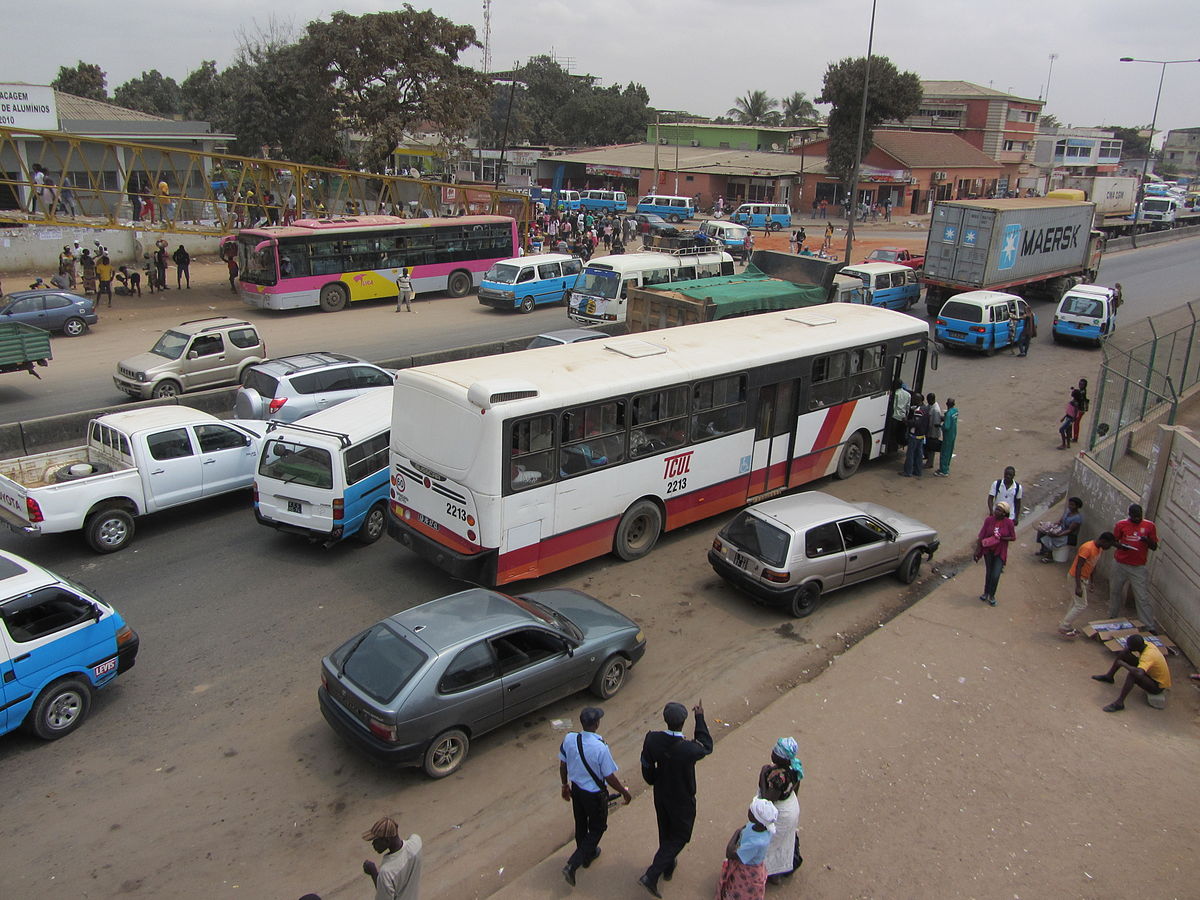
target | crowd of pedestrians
x=583, y=233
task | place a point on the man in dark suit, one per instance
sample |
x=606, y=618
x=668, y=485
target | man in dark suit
x=669, y=765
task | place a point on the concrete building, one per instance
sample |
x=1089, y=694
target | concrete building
x=1066, y=151
x=1181, y=151
x=763, y=138
x=1002, y=125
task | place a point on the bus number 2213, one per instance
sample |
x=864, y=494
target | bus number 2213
x=676, y=485
x=456, y=512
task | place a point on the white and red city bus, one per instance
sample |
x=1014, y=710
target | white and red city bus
x=512, y=466
x=332, y=262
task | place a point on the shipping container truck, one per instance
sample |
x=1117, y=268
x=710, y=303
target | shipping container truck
x=1036, y=248
x=1114, y=197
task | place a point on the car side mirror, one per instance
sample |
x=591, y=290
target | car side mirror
x=97, y=613
x=192, y=354
x=569, y=647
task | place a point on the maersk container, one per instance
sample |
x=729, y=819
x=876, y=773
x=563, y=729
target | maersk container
x=986, y=244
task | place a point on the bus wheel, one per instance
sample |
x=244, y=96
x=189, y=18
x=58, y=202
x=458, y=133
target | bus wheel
x=639, y=530
x=527, y=305
x=333, y=298
x=852, y=454
x=459, y=284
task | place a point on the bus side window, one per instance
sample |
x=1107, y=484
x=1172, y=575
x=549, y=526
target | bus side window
x=718, y=407
x=531, y=460
x=828, y=386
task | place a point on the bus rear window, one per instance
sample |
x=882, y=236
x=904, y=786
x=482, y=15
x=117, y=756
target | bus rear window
x=964, y=312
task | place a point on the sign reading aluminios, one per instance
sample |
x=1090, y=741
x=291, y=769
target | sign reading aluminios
x=28, y=106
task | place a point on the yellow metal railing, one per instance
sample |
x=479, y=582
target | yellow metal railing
x=99, y=183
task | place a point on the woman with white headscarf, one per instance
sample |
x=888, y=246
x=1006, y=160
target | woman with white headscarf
x=777, y=782
x=743, y=873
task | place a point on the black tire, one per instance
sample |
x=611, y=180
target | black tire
x=638, y=532
x=674, y=219
x=168, y=387
x=374, y=524
x=459, y=284
x=805, y=600
x=64, y=474
x=446, y=753
x=910, y=568
x=1058, y=340
x=334, y=297
x=74, y=327
x=852, y=456
x=773, y=226
x=60, y=709
x=527, y=305
x=108, y=530
x=610, y=678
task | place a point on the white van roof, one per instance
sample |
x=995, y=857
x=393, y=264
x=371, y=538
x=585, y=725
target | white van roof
x=536, y=258
x=980, y=298
x=357, y=419
x=881, y=268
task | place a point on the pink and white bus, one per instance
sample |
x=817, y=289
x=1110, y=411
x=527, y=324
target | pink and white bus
x=513, y=466
x=332, y=262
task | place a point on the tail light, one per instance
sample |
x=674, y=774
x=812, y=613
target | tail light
x=339, y=509
x=277, y=404
x=978, y=329
x=324, y=679
x=382, y=730
x=940, y=322
x=254, y=494
x=32, y=510
x=717, y=545
x=772, y=575
x=124, y=635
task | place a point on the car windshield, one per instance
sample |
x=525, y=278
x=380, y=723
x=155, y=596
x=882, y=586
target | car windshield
x=170, y=345
x=885, y=255
x=502, y=274
x=379, y=662
x=599, y=283
x=543, y=341
x=964, y=312
x=296, y=464
x=759, y=538
x=549, y=616
x=1158, y=205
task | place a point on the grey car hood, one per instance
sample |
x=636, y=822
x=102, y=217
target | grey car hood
x=146, y=362
x=905, y=526
x=595, y=619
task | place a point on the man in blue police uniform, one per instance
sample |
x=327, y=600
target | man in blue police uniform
x=586, y=767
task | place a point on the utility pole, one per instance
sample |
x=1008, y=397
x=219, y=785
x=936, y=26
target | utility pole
x=862, y=127
x=654, y=187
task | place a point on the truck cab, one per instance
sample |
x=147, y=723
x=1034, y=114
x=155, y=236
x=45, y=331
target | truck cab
x=1087, y=312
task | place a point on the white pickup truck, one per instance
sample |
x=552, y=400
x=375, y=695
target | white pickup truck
x=133, y=463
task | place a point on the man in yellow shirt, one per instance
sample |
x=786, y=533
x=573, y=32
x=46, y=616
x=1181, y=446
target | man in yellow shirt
x=1079, y=576
x=1145, y=667
x=104, y=274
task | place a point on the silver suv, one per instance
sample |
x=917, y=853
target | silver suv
x=192, y=356
x=292, y=387
x=791, y=550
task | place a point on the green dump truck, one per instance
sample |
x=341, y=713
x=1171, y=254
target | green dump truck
x=22, y=347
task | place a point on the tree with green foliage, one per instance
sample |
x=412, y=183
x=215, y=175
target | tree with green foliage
x=1048, y=122
x=151, y=92
x=1134, y=144
x=82, y=80
x=389, y=71
x=891, y=95
x=200, y=93
x=756, y=108
x=797, y=109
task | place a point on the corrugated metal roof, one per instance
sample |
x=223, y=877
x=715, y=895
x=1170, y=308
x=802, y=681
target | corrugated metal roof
x=692, y=159
x=936, y=89
x=932, y=149
x=81, y=108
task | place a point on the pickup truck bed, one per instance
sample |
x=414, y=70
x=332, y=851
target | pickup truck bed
x=38, y=470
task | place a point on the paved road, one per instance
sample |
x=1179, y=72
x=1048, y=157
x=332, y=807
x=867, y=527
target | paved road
x=214, y=743
x=80, y=377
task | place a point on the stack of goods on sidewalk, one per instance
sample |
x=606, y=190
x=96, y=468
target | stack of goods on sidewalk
x=1112, y=633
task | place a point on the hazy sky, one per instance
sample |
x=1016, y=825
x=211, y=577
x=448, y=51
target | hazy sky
x=699, y=55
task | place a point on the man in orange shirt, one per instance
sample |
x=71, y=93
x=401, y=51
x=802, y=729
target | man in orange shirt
x=1146, y=668
x=1081, y=574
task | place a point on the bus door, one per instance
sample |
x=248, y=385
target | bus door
x=775, y=426
x=908, y=368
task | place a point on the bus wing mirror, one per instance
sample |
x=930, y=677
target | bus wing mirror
x=264, y=245
x=933, y=359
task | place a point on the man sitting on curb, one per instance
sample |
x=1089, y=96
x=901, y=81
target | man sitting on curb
x=1146, y=668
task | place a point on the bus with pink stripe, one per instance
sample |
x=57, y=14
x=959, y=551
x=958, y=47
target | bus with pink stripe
x=332, y=262
x=517, y=465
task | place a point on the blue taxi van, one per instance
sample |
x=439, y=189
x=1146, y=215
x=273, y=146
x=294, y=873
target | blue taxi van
x=603, y=201
x=772, y=216
x=886, y=284
x=673, y=209
x=1087, y=312
x=982, y=320
x=528, y=281
x=59, y=643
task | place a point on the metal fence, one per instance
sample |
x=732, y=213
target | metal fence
x=1146, y=369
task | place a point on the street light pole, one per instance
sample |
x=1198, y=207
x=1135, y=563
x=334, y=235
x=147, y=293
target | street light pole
x=1137, y=208
x=862, y=127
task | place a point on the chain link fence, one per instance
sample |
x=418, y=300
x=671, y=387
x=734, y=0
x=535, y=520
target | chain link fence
x=1146, y=369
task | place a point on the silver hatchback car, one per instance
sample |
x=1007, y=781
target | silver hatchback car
x=791, y=550
x=418, y=687
x=292, y=387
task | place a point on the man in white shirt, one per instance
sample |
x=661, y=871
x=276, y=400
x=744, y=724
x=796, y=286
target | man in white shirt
x=399, y=877
x=587, y=769
x=1007, y=489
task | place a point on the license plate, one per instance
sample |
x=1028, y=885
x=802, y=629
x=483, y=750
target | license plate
x=428, y=522
x=741, y=560
x=957, y=334
x=104, y=667
x=295, y=506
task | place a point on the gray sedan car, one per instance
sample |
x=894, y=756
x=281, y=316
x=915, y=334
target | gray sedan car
x=418, y=687
x=791, y=550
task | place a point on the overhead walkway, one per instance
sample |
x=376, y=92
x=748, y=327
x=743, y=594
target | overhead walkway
x=111, y=184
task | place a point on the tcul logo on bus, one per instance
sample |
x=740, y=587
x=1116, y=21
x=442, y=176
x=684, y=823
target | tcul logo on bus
x=677, y=465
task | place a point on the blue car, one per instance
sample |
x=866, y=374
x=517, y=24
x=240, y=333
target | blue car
x=51, y=310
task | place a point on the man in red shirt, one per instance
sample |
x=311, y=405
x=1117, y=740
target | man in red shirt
x=1135, y=537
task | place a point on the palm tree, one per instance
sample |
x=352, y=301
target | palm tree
x=798, y=110
x=756, y=108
